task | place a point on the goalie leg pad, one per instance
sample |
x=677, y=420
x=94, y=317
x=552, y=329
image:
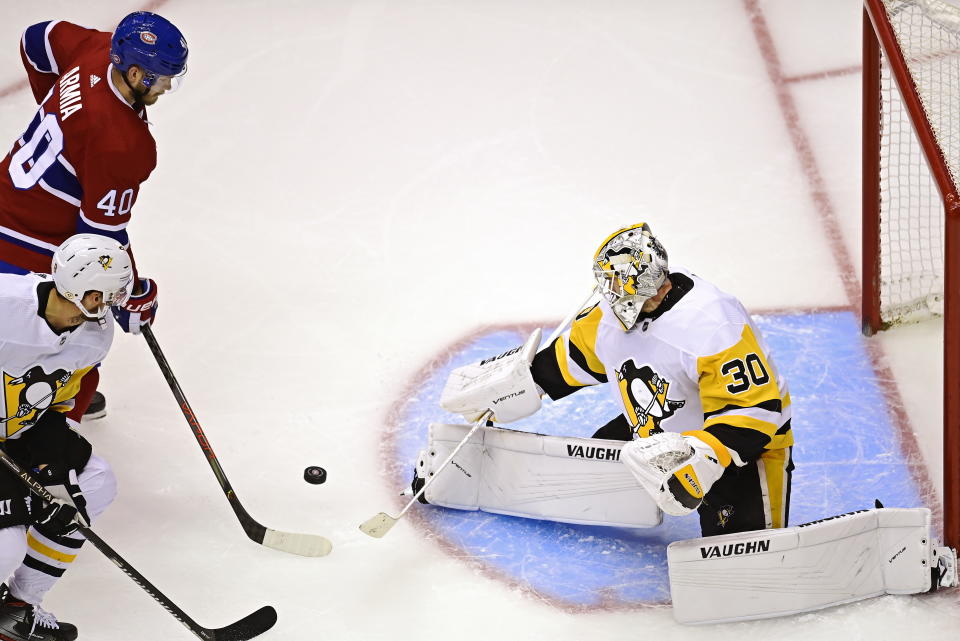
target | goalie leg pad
x=569, y=480
x=769, y=573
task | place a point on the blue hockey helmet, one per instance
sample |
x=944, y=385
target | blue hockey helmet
x=150, y=42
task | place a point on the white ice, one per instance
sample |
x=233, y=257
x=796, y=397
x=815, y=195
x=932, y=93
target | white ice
x=345, y=188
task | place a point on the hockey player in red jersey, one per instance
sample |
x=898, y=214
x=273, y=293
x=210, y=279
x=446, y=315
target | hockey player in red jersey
x=78, y=166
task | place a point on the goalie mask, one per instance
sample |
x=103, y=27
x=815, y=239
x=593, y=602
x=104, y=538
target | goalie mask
x=630, y=266
x=90, y=262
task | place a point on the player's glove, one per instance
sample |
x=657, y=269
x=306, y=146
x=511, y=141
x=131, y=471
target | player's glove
x=139, y=310
x=503, y=384
x=676, y=470
x=60, y=518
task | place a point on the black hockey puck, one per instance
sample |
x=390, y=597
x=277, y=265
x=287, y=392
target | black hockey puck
x=315, y=475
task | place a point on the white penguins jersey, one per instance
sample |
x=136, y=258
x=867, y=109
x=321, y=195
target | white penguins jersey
x=41, y=369
x=697, y=365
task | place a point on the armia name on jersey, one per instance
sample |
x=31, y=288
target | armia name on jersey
x=70, y=94
x=599, y=453
x=735, y=549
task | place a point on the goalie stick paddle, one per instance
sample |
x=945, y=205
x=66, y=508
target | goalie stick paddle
x=377, y=526
x=290, y=542
x=248, y=627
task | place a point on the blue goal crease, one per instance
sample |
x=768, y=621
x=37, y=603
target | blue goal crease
x=846, y=453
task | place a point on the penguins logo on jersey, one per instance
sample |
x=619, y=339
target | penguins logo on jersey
x=28, y=396
x=724, y=515
x=644, y=395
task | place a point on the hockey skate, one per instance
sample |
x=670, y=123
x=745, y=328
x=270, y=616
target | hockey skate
x=20, y=621
x=943, y=568
x=97, y=407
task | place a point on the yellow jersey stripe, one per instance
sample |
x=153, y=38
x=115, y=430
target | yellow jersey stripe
x=773, y=467
x=723, y=454
x=739, y=375
x=564, y=365
x=48, y=551
x=583, y=335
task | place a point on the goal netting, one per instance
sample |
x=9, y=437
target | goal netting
x=911, y=216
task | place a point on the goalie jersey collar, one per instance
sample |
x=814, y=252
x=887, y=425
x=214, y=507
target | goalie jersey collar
x=681, y=285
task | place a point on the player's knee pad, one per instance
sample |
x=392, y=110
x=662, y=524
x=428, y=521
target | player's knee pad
x=98, y=484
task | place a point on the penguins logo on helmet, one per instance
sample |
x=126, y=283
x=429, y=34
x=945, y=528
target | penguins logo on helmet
x=105, y=262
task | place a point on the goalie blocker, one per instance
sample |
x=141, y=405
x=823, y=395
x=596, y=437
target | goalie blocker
x=770, y=573
x=564, y=479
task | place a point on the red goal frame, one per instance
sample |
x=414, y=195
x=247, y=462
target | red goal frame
x=878, y=35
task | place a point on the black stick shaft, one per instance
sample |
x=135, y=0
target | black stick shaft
x=253, y=529
x=111, y=554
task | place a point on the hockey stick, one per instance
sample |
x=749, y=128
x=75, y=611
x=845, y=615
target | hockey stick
x=248, y=627
x=292, y=542
x=378, y=526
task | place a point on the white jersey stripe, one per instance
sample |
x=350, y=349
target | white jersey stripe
x=46, y=41
x=59, y=194
x=101, y=225
x=27, y=239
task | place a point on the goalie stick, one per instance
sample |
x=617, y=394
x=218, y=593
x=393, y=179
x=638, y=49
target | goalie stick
x=377, y=526
x=291, y=542
x=248, y=627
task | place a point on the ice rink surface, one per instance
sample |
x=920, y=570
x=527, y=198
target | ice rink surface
x=347, y=190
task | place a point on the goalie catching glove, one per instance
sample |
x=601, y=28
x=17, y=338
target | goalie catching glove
x=676, y=470
x=502, y=384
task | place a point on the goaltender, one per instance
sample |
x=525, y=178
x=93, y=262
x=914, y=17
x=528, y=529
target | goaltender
x=706, y=420
x=704, y=406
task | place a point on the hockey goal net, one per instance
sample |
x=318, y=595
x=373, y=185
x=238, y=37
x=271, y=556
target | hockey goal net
x=911, y=206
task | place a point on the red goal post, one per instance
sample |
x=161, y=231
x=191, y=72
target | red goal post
x=911, y=203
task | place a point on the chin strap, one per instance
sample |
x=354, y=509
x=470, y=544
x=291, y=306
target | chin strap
x=137, y=105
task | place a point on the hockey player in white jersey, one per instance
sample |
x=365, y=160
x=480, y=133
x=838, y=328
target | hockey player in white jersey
x=706, y=416
x=705, y=409
x=53, y=329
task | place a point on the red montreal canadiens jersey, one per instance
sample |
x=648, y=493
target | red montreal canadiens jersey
x=78, y=166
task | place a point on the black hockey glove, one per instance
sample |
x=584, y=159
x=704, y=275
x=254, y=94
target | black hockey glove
x=60, y=518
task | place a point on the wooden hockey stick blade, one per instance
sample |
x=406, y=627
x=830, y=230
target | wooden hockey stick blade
x=252, y=625
x=295, y=543
x=378, y=525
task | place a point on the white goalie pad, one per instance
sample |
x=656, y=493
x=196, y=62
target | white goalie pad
x=570, y=480
x=770, y=573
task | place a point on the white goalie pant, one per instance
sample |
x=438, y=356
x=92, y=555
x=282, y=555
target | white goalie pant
x=770, y=573
x=553, y=478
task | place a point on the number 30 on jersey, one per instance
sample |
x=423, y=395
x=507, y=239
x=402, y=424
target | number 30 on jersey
x=745, y=372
